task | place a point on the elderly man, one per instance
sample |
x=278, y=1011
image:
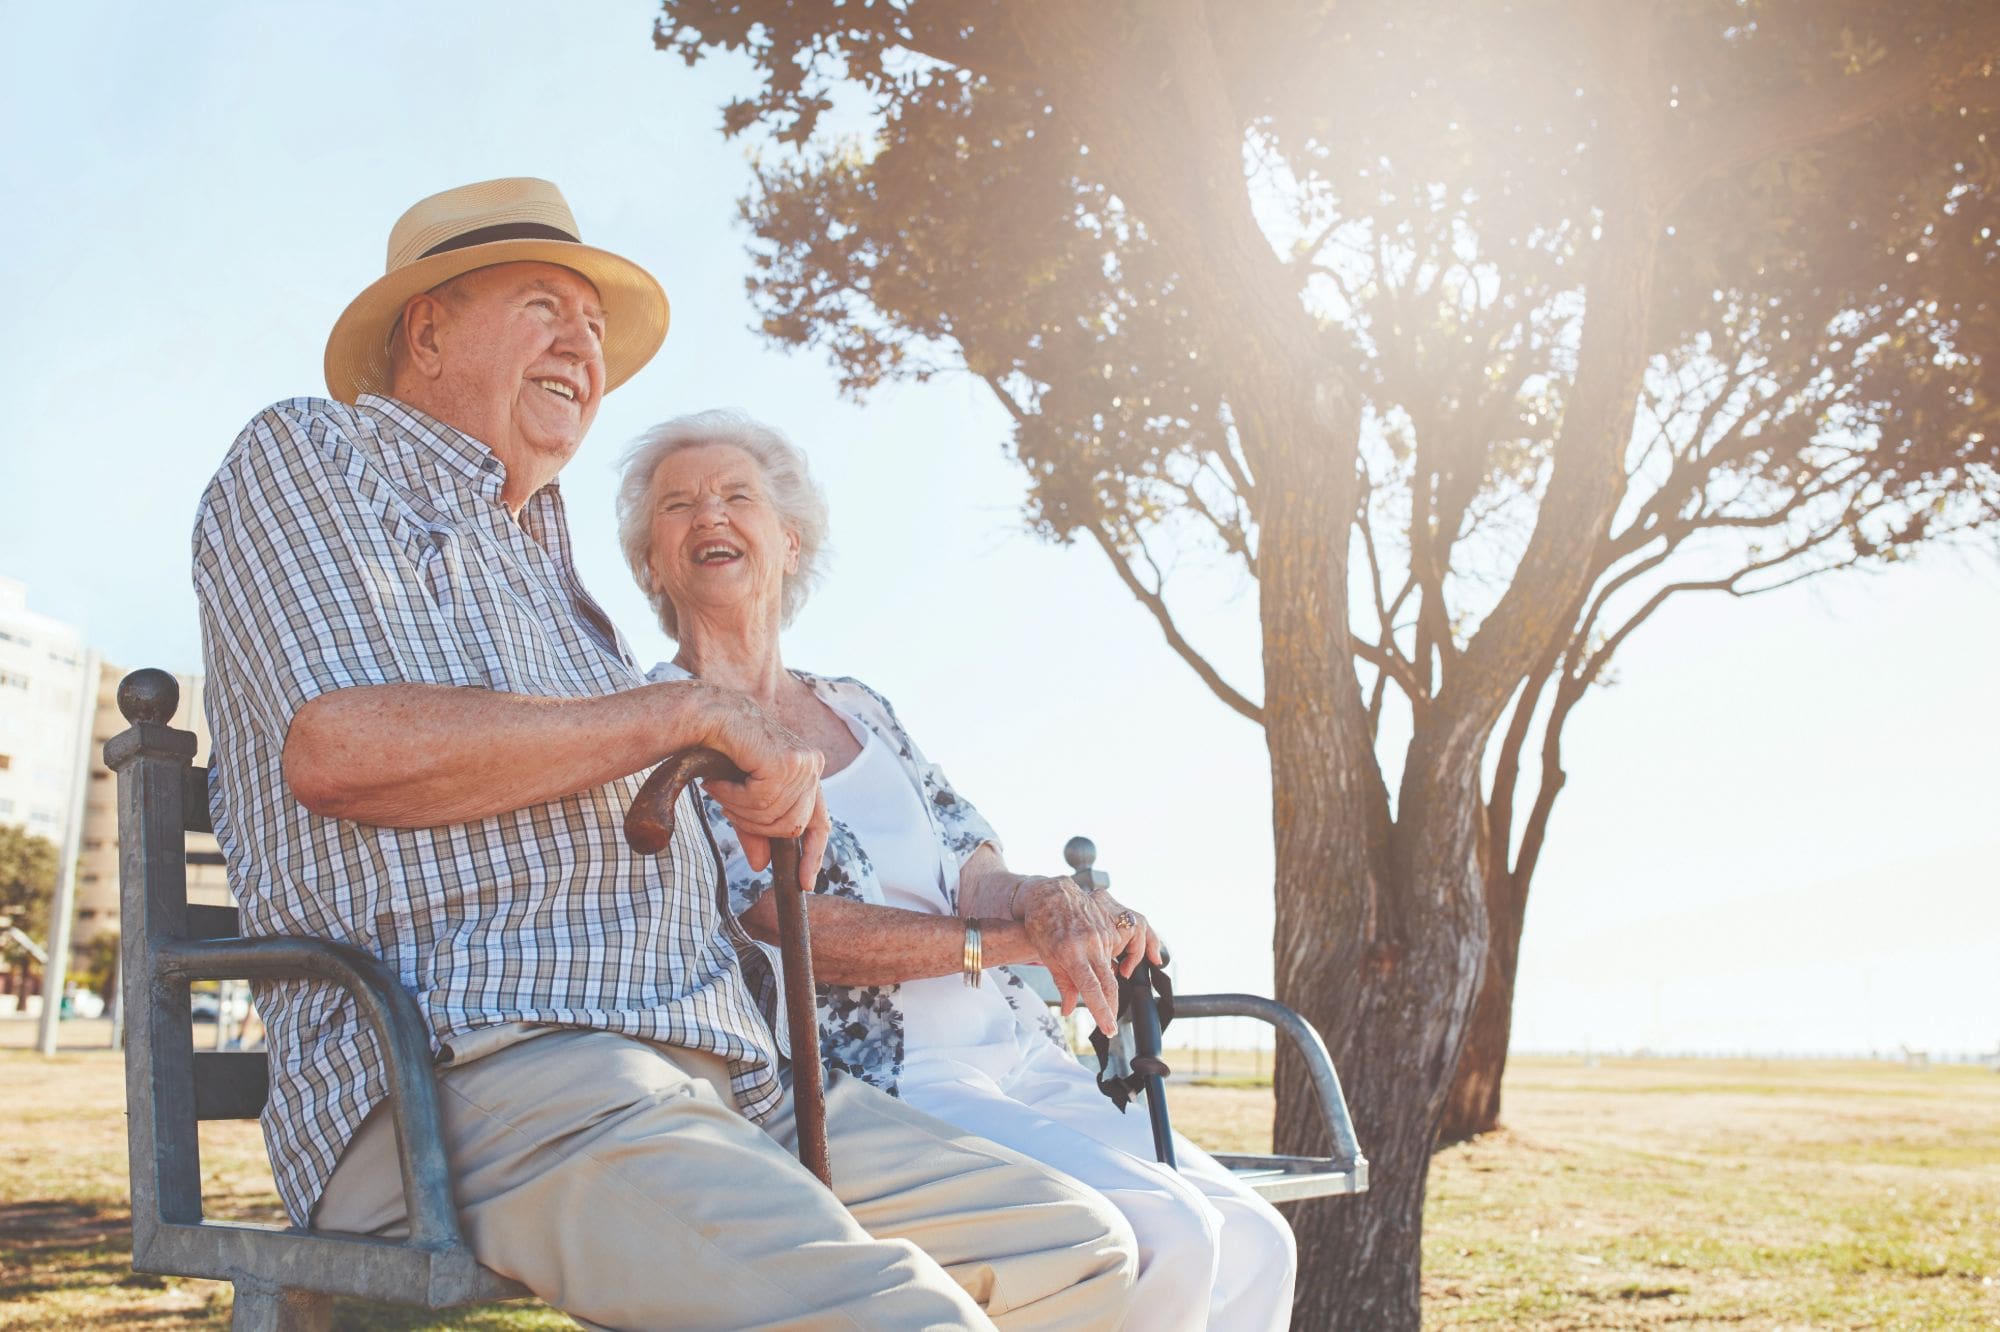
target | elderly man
x=426, y=733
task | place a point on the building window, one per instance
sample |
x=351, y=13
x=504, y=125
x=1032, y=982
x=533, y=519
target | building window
x=14, y=679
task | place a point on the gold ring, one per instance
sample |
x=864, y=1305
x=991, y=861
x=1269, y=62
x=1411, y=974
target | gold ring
x=1125, y=920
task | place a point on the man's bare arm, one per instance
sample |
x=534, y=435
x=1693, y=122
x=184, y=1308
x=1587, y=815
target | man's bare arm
x=417, y=755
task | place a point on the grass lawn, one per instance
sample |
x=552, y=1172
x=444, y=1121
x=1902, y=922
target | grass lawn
x=1711, y=1193
x=1631, y=1194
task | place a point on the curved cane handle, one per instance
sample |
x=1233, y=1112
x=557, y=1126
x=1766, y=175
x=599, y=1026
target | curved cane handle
x=649, y=824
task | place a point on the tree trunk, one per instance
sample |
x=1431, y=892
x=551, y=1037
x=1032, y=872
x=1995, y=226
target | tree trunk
x=1402, y=1015
x=1473, y=1105
x=1380, y=928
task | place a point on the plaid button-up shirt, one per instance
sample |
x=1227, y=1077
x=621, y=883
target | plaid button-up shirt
x=344, y=546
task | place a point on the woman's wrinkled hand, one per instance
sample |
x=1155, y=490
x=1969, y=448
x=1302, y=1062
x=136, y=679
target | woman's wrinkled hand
x=1086, y=940
x=1142, y=942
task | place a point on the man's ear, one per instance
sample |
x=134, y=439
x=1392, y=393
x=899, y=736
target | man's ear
x=420, y=335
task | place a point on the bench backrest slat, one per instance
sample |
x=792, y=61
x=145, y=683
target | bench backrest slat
x=212, y=922
x=194, y=801
x=230, y=1084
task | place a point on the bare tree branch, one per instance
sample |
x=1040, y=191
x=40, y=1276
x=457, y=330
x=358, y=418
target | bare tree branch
x=1534, y=833
x=1507, y=769
x=1155, y=603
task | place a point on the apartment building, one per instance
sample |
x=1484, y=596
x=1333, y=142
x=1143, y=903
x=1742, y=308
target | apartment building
x=43, y=686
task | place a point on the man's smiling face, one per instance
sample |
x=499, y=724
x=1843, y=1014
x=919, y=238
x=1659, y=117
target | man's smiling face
x=519, y=364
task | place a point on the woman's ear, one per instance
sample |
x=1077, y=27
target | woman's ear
x=791, y=552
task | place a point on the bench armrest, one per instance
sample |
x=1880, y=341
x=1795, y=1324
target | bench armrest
x=1326, y=1082
x=392, y=1014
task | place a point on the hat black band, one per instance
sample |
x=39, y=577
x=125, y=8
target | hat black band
x=501, y=232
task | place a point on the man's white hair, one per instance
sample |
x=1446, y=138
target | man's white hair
x=797, y=497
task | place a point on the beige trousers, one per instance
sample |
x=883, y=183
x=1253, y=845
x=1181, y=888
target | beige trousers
x=615, y=1179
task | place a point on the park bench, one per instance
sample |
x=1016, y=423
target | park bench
x=284, y=1276
x=1277, y=1178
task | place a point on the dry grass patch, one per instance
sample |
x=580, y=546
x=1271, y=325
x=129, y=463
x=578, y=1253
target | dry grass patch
x=1758, y=1195
x=65, y=1212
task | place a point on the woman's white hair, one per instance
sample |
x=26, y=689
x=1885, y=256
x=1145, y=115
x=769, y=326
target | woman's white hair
x=797, y=497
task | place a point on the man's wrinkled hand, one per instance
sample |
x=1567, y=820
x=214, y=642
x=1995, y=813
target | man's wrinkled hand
x=780, y=795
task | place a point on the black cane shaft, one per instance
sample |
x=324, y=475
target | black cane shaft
x=1146, y=1036
x=801, y=1009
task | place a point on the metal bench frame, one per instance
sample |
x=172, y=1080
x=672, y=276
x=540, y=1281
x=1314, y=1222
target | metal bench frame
x=284, y=1276
x=1290, y=1178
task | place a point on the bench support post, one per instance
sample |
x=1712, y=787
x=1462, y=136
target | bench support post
x=266, y=1308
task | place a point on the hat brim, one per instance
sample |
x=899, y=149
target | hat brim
x=635, y=309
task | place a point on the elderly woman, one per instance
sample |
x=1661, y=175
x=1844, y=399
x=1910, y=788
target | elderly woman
x=916, y=913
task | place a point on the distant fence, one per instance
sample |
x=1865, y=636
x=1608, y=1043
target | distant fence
x=1990, y=1058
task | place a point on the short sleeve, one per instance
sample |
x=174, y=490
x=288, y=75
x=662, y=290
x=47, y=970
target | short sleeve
x=311, y=577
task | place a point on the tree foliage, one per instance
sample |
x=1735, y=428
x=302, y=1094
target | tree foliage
x=28, y=869
x=1474, y=334
x=96, y=963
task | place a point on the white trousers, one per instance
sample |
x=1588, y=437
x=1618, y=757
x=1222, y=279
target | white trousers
x=1212, y=1254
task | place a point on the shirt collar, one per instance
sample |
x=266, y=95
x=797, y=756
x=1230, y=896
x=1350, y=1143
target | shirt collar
x=471, y=461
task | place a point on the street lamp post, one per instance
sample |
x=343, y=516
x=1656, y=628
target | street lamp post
x=55, y=971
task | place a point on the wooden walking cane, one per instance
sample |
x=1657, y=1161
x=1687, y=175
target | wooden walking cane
x=649, y=826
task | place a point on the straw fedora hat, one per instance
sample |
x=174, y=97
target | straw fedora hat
x=474, y=226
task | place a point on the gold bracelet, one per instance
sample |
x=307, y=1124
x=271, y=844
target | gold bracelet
x=973, y=952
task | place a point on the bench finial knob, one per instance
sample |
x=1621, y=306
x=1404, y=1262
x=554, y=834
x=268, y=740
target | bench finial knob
x=149, y=695
x=1081, y=853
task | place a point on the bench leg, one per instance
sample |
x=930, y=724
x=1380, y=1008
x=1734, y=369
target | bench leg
x=262, y=1308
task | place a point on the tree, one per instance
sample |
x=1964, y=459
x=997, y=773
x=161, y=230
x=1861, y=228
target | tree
x=97, y=964
x=28, y=868
x=27, y=880
x=1472, y=334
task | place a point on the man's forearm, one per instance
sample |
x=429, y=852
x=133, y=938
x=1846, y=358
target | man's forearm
x=418, y=755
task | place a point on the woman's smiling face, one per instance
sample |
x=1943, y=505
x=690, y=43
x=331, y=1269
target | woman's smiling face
x=719, y=546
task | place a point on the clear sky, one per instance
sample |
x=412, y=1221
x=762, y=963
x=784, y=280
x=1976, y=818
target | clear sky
x=1779, y=831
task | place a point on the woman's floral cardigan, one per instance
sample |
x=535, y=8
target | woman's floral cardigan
x=861, y=1026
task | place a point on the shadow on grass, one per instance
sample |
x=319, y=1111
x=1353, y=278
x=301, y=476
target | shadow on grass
x=73, y=1261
